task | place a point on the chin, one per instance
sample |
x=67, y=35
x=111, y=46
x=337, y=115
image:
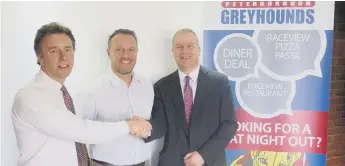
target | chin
x=184, y=65
x=65, y=73
x=125, y=72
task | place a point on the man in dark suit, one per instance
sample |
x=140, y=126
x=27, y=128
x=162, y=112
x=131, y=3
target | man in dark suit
x=193, y=109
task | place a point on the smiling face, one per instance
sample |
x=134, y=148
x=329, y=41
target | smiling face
x=186, y=51
x=123, y=53
x=56, y=56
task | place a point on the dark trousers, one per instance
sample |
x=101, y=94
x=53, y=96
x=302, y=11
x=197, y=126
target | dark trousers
x=102, y=163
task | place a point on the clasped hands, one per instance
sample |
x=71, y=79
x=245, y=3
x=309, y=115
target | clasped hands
x=139, y=127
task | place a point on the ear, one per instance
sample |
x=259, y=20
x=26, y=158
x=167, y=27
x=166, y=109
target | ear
x=40, y=60
x=198, y=49
x=108, y=52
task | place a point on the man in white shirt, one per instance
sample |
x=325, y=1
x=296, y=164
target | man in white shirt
x=119, y=95
x=47, y=130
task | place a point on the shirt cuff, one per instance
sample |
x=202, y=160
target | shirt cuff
x=124, y=126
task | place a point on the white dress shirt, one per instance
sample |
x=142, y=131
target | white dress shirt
x=111, y=99
x=193, y=81
x=46, y=130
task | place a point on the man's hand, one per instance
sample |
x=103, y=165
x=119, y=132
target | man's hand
x=193, y=159
x=139, y=127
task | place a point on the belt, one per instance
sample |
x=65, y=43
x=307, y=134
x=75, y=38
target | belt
x=108, y=164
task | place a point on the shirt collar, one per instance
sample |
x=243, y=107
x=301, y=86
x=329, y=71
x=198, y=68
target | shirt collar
x=47, y=81
x=193, y=75
x=115, y=80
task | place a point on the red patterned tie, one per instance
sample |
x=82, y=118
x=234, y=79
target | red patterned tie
x=83, y=157
x=188, y=99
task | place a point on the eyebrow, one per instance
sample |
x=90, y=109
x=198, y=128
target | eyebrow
x=187, y=44
x=53, y=47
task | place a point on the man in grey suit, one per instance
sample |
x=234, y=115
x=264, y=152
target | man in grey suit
x=193, y=109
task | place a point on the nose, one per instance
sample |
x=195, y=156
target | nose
x=125, y=54
x=184, y=50
x=62, y=55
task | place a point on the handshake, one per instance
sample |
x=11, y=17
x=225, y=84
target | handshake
x=139, y=127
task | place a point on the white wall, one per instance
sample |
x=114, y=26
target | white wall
x=0, y=82
x=91, y=23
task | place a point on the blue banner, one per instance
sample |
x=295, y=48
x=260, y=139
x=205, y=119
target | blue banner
x=278, y=57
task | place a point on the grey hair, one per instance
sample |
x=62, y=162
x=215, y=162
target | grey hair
x=184, y=30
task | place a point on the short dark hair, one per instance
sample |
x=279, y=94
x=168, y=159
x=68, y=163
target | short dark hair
x=122, y=31
x=48, y=29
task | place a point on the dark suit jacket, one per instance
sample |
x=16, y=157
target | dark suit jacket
x=212, y=125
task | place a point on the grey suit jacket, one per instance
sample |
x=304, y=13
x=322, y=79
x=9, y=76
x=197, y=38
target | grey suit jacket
x=212, y=125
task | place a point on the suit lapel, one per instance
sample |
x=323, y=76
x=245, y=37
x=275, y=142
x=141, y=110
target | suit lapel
x=200, y=94
x=178, y=101
x=201, y=90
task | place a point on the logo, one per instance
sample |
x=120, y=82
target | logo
x=267, y=12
